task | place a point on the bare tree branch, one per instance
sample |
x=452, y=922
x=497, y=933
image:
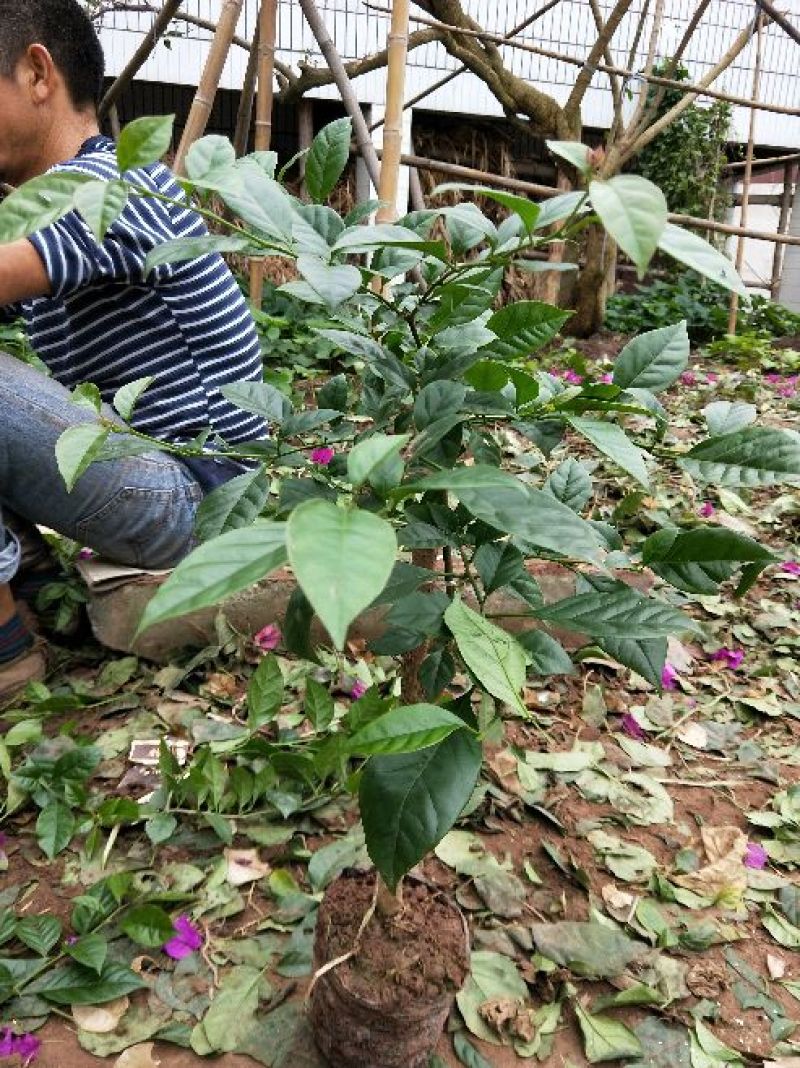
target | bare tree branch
x=572, y=107
x=613, y=81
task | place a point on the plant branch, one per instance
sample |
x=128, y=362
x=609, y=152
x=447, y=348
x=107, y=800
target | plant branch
x=590, y=66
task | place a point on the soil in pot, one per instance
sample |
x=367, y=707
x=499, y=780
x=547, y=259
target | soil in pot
x=386, y=1006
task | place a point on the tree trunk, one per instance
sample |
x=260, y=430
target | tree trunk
x=595, y=284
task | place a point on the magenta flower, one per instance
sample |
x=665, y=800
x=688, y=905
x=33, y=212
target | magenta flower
x=791, y=567
x=787, y=391
x=731, y=658
x=711, y=377
x=572, y=377
x=26, y=1047
x=187, y=940
x=773, y=379
x=755, y=856
x=358, y=689
x=86, y=553
x=268, y=638
x=607, y=379
x=322, y=456
x=706, y=510
x=669, y=678
x=632, y=727
x=688, y=378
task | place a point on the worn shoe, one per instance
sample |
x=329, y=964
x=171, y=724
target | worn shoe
x=15, y=675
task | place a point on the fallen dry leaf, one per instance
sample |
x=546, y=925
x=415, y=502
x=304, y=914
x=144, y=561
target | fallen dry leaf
x=707, y=979
x=783, y=1062
x=725, y=848
x=619, y=902
x=244, y=866
x=694, y=735
x=776, y=966
x=140, y=1056
x=100, y=1019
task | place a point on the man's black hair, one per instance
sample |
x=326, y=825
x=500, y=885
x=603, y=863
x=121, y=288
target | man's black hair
x=66, y=31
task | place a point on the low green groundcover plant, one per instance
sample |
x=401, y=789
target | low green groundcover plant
x=445, y=442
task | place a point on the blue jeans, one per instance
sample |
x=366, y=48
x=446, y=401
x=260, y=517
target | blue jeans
x=135, y=510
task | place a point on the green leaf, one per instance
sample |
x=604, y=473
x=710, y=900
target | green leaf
x=144, y=141
x=231, y=1014
x=634, y=212
x=574, y=153
x=91, y=951
x=436, y=400
x=126, y=397
x=504, y=502
x=87, y=396
x=524, y=327
x=342, y=560
x=653, y=360
x=148, y=925
x=646, y=658
x=38, y=203
x=218, y=568
x=695, y=252
x=467, y=1053
x=101, y=203
x=54, y=828
x=613, y=442
x=726, y=417
x=369, y=455
x=409, y=801
x=405, y=730
x=258, y=397
x=521, y=206
x=265, y=693
x=209, y=159
x=495, y=658
x=664, y=1047
x=711, y=1045
x=546, y=655
x=77, y=985
x=782, y=930
x=492, y=976
x=606, y=1039
x=329, y=862
x=698, y=560
x=77, y=448
x=570, y=483
x=183, y=249
x=319, y=706
x=334, y=283
x=755, y=456
x=328, y=158
x=161, y=827
x=459, y=305
x=556, y=209
x=39, y=933
x=260, y=202
x=235, y=504
x=618, y=611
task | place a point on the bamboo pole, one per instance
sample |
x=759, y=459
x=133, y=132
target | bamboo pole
x=393, y=122
x=564, y=57
x=267, y=31
x=748, y=172
x=349, y=99
x=139, y=57
x=765, y=163
x=305, y=135
x=787, y=195
x=442, y=82
x=209, y=81
x=244, y=115
x=781, y=20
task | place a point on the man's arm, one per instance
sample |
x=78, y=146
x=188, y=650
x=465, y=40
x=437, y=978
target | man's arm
x=22, y=273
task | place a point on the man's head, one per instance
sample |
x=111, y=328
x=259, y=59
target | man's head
x=51, y=77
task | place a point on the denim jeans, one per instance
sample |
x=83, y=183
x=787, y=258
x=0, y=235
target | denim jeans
x=135, y=510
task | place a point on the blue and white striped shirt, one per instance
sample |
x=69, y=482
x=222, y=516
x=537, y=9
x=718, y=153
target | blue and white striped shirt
x=109, y=322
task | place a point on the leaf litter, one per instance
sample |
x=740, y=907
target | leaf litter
x=630, y=868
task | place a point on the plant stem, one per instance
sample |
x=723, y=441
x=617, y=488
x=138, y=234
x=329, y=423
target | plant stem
x=389, y=904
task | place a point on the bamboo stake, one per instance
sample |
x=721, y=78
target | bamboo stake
x=209, y=81
x=245, y=113
x=783, y=222
x=349, y=99
x=267, y=30
x=748, y=172
x=139, y=57
x=393, y=123
x=765, y=162
x=564, y=57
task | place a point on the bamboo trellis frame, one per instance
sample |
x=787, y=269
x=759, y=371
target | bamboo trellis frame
x=393, y=124
x=267, y=31
x=564, y=57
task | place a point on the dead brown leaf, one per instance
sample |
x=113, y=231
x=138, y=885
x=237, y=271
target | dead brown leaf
x=100, y=1019
x=244, y=866
x=140, y=1056
x=725, y=848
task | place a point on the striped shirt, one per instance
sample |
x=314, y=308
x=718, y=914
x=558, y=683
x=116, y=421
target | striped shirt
x=110, y=322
